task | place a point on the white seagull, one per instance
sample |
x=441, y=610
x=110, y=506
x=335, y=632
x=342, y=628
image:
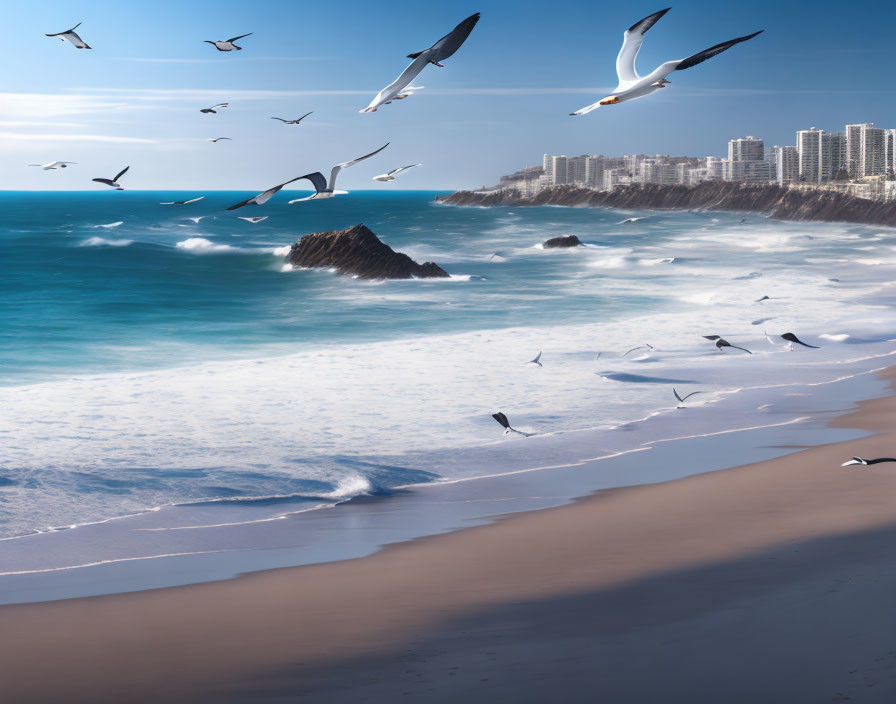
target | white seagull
x=537, y=360
x=401, y=87
x=324, y=189
x=390, y=176
x=71, y=36
x=218, y=139
x=682, y=399
x=214, y=108
x=114, y=181
x=254, y=219
x=264, y=196
x=227, y=44
x=292, y=122
x=631, y=85
x=182, y=202
x=54, y=165
x=502, y=419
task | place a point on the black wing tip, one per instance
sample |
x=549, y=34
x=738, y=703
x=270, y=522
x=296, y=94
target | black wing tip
x=652, y=18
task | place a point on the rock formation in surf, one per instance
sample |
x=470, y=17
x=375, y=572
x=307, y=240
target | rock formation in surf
x=358, y=251
x=773, y=201
x=561, y=242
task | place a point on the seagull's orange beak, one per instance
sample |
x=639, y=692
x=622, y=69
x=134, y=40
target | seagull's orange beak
x=612, y=100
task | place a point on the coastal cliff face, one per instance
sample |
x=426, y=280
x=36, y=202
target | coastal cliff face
x=774, y=201
x=358, y=251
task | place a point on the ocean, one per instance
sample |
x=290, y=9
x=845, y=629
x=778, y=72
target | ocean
x=163, y=363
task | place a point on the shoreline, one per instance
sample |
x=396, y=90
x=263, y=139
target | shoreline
x=430, y=616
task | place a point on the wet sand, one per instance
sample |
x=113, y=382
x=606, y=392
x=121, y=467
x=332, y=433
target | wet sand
x=770, y=582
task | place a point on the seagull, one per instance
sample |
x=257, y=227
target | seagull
x=502, y=419
x=71, y=36
x=214, y=108
x=322, y=189
x=641, y=347
x=292, y=122
x=631, y=85
x=537, y=360
x=791, y=338
x=865, y=463
x=446, y=46
x=114, y=181
x=54, y=165
x=721, y=342
x=760, y=300
x=681, y=400
x=182, y=202
x=264, y=196
x=218, y=139
x=227, y=44
x=254, y=219
x=628, y=220
x=390, y=175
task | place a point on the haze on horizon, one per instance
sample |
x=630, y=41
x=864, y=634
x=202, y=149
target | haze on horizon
x=501, y=101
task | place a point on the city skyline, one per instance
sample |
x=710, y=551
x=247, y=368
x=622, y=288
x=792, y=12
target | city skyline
x=134, y=98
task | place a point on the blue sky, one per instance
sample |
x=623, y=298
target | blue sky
x=501, y=101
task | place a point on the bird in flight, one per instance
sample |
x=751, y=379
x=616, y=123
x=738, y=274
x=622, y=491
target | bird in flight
x=390, y=175
x=292, y=122
x=71, y=36
x=446, y=46
x=865, y=463
x=722, y=343
x=218, y=139
x=264, y=196
x=646, y=346
x=502, y=419
x=631, y=85
x=324, y=189
x=537, y=360
x=182, y=202
x=114, y=181
x=682, y=399
x=54, y=165
x=254, y=218
x=214, y=108
x=227, y=44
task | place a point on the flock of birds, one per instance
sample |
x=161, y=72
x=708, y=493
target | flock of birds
x=630, y=86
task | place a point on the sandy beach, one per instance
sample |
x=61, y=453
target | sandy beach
x=769, y=582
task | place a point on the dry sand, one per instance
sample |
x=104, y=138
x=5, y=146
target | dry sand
x=772, y=582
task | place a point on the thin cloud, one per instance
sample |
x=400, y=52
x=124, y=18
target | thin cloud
x=72, y=137
x=173, y=60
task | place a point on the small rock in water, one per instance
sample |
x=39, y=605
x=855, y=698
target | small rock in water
x=560, y=242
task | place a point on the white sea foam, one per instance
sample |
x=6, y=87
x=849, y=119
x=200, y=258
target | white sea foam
x=111, y=224
x=102, y=242
x=201, y=245
x=281, y=251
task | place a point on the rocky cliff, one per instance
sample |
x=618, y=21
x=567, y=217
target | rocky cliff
x=775, y=201
x=360, y=252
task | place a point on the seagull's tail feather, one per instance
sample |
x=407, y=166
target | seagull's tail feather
x=367, y=110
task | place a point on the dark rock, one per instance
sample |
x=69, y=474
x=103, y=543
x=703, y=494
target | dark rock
x=358, y=251
x=561, y=242
x=774, y=201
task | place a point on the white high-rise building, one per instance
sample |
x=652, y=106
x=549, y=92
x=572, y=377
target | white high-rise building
x=556, y=169
x=575, y=170
x=787, y=165
x=873, y=152
x=714, y=168
x=853, y=135
x=831, y=155
x=746, y=149
x=808, y=148
x=890, y=138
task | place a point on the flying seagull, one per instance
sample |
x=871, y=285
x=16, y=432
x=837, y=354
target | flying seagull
x=292, y=122
x=71, y=36
x=218, y=139
x=390, y=175
x=502, y=419
x=254, y=218
x=760, y=300
x=323, y=189
x=227, y=44
x=214, y=108
x=182, y=202
x=114, y=181
x=537, y=360
x=647, y=346
x=681, y=399
x=264, y=196
x=791, y=338
x=865, y=463
x=631, y=85
x=722, y=342
x=446, y=46
x=54, y=165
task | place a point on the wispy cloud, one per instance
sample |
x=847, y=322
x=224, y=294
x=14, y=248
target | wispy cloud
x=71, y=137
x=40, y=123
x=243, y=59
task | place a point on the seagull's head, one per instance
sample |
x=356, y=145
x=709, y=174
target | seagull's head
x=609, y=100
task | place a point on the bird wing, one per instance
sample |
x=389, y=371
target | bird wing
x=263, y=198
x=631, y=44
x=220, y=105
x=192, y=200
x=403, y=168
x=404, y=79
x=501, y=418
x=317, y=180
x=107, y=181
x=702, y=56
x=345, y=164
x=680, y=399
x=248, y=201
x=59, y=34
x=121, y=173
x=231, y=41
x=304, y=116
x=451, y=42
x=279, y=118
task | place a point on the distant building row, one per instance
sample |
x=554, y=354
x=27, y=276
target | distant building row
x=861, y=160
